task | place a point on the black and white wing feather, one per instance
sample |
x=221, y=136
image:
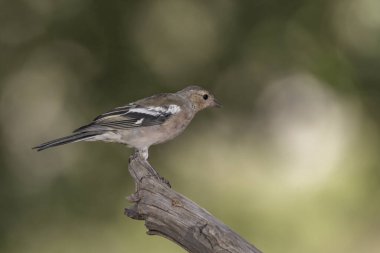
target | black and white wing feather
x=131, y=116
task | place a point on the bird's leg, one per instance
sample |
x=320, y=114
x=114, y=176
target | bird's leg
x=144, y=153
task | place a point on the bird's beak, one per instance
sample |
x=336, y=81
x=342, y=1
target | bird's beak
x=217, y=104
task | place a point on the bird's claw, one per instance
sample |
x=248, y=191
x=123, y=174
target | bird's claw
x=165, y=181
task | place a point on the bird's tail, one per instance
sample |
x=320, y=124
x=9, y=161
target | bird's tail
x=67, y=139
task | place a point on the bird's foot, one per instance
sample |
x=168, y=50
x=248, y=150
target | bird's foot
x=165, y=181
x=155, y=174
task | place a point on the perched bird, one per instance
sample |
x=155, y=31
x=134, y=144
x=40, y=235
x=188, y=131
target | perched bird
x=143, y=123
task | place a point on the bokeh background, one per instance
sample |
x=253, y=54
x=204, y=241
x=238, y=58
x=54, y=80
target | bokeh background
x=291, y=162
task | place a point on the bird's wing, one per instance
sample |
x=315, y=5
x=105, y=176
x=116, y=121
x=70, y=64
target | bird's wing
x=131, y=116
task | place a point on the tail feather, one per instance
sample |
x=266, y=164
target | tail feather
x=67, y=139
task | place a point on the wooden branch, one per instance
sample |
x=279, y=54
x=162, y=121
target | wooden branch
x=175, y=217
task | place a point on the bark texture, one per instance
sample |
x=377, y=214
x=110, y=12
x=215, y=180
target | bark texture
x=175, y=217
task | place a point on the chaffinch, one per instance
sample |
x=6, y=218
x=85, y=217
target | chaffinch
x=143, y=123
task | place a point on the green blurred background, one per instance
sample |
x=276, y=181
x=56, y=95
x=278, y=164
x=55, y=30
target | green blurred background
x=291, y=162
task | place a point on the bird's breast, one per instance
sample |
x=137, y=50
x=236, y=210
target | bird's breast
x=142, y=137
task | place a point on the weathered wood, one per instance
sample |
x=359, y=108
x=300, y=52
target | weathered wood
x=173, y=216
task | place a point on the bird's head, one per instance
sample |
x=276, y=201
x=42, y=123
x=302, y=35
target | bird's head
x=199, y=97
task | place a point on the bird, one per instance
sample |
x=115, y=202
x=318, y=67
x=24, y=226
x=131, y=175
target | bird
x=145, y=122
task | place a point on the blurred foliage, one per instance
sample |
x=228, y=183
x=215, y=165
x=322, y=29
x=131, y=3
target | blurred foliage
x=290, y=162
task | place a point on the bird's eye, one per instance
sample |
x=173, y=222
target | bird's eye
x=205, y=96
